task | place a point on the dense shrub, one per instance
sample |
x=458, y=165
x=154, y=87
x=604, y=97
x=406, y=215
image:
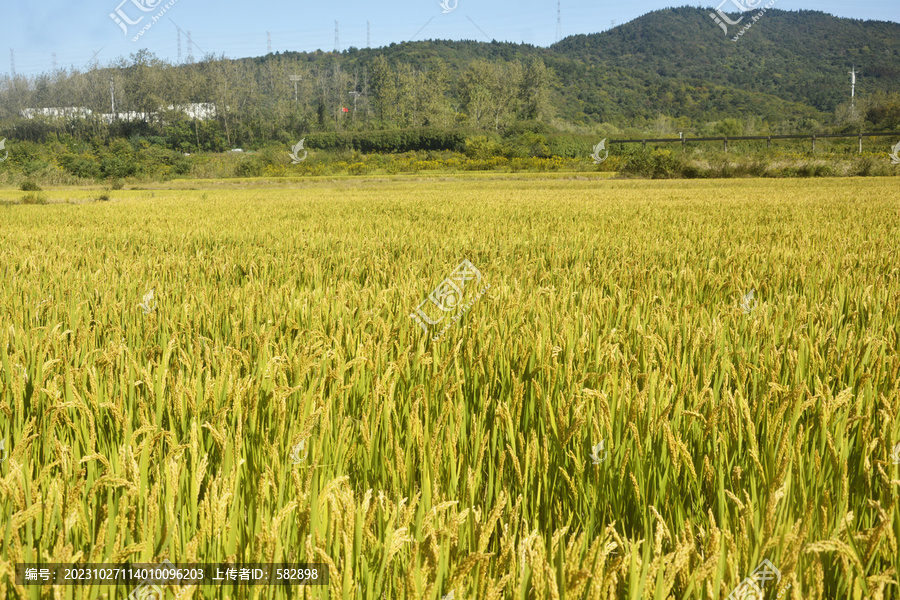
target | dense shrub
x=117, y=166
x=29, y=186
x=483, y=147
x=139, y=142
x=249, y=166
x=527, y=145
x=520, y=127
x=390, y=140
x=807, y=169
x=181, y=166
x=569, y=145
x=358, y=168
x=83, y=165
x=156, y=159
x=34, y=199
x=655, y=164
x=33, y=166
x=690, y=171
x=872, y=166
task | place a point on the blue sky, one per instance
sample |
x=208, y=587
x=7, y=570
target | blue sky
x=74, y=30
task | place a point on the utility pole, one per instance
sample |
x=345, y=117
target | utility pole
x=337, y=38
x=853, y=89
x=295, y=79
x=112, y=96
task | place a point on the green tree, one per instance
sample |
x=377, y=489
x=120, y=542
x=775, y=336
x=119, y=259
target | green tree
x=535, y=96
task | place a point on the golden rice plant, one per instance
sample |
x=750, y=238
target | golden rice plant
x=612, y=419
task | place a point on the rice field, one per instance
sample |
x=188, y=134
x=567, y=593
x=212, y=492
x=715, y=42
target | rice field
x=616, y=416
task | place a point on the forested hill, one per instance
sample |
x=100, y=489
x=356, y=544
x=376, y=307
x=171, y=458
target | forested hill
x=668, y=70
x=678, y=62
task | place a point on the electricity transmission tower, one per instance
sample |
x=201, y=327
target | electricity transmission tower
x=269, y=41
x=558, y=19
x=337, y=38
x=190, y=43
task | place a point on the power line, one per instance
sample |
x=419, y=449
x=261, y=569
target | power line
x=421, y=28
x=479, y=28
x=190, y=43
x=94, y=63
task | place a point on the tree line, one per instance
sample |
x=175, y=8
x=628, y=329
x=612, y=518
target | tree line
x=274, y=99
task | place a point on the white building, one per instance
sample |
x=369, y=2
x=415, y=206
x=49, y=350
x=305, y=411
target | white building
x=202, y=111
x=65, y=112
